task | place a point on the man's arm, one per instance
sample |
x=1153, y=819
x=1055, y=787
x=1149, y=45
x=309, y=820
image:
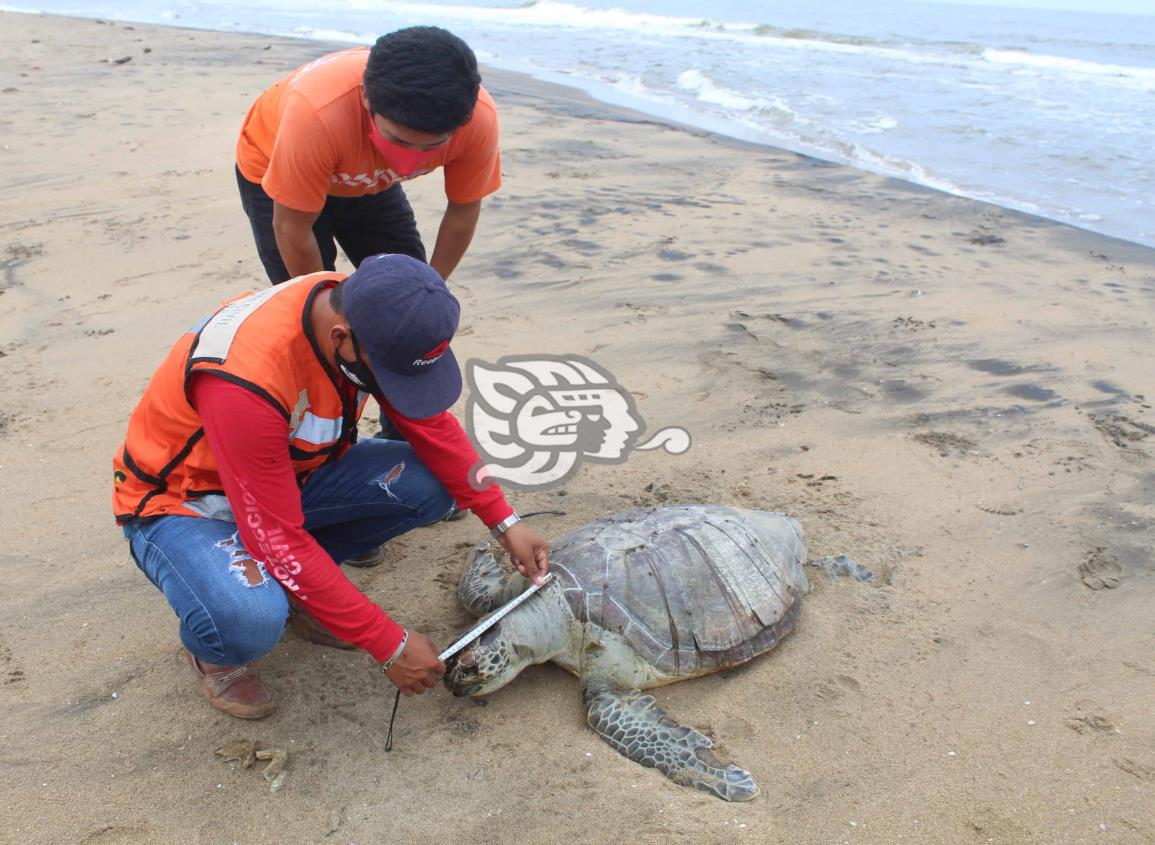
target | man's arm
x=250, y=441
x=296, y=242
x=454, y=236
x=442, y=445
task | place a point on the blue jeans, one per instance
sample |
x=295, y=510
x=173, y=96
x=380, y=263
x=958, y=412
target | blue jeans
x=231, y=611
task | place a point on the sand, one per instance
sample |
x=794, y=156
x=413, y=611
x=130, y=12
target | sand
x=955, y=395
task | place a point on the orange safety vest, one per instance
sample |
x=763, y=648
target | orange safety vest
x=261, y=341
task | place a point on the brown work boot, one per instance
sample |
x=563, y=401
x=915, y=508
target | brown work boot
x=308, y=628
x=236, y=690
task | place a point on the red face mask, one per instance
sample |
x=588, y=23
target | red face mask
x=403, y=160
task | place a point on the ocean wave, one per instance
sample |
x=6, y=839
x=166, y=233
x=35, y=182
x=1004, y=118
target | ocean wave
x=1045, y=64
x=557, y=14
x=856, y=154
x=978, y=118
x=561, y=14
x=775, y=122
x=875, y=124
x=339, y=35
x=695, y=82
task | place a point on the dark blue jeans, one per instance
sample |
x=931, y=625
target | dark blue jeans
x=351, y=506
x=363, y=226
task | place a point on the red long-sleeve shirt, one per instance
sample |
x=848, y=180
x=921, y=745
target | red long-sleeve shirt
x=249, y=439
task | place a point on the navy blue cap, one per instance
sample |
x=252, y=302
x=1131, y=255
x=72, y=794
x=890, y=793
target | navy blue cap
x=403, y=317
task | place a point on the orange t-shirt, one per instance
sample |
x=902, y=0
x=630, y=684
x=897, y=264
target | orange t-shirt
x=307, y=138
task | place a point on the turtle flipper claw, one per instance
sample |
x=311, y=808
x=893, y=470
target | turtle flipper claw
x=635, y=726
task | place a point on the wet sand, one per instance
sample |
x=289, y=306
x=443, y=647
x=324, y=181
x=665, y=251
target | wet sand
x=955, y=395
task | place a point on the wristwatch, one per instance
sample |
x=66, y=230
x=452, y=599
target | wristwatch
x=388, y=664
x=504, y=525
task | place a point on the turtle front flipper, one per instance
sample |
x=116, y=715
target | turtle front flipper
x=485, y=585
x=639, y=729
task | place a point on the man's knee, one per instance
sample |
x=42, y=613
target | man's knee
x=239, y=632
x=439, y=505
x=434, y=502
x=405, y=478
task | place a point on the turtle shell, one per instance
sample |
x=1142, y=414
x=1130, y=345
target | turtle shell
x=692, y=588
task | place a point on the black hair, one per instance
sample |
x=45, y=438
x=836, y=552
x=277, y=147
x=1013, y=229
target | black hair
x=423, y=78
x=337, y=298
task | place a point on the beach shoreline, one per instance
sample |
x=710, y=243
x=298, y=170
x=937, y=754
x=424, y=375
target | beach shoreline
x=955, y=395
x=559, y=89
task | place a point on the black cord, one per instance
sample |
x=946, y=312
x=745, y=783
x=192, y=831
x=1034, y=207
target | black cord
x=392, y=717
x=542, y=513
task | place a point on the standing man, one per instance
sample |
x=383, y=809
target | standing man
x=322, y=153
x=241, y=481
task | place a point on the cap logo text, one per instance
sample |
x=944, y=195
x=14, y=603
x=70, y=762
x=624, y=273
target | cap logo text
x=432, y=355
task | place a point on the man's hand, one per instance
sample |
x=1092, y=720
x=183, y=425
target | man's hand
x=528, y=552
x=417, y=669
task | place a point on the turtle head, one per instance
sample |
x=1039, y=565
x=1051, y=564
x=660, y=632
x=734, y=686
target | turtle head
x=486, y=664
x=535, y=632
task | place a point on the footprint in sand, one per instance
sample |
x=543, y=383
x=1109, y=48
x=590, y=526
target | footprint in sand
x=838, y=688
x=1137, y=769
x=1033, y=392
x=1099, y=570
x=1091, y=724
x=10, y=669
x=946, y=444
x=984, y=239
x=1122, y=431
x=996, y=367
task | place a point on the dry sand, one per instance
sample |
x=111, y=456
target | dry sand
x=955, y=395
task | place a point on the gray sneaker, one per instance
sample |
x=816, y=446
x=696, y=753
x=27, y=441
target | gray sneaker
x=367, y=560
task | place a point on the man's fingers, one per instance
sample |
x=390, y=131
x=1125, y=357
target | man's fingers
x=540, y=565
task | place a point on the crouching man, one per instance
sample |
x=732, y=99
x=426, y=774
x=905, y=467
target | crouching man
x=241, y=482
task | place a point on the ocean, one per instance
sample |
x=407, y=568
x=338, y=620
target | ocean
x=1048, y=112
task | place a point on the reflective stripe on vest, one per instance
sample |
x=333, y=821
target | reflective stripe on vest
x=316, y=430
x=218, y=334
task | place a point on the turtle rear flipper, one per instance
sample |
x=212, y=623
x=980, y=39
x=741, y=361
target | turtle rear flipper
x=639, y=729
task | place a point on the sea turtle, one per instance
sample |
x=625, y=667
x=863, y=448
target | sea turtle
x=641, y=599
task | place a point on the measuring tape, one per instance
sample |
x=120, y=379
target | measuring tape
x=491, y=620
